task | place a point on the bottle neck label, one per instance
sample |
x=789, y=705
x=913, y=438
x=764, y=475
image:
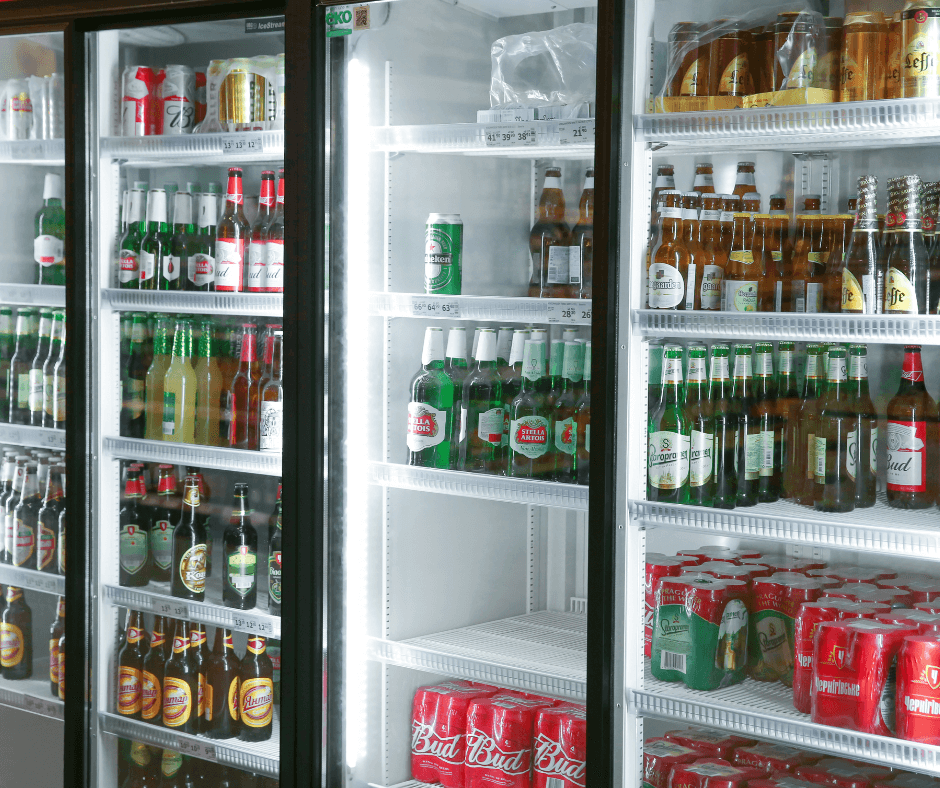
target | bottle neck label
x=672, y=371
x=697, y=370
x=765, y=365
x=719, y=368
x=742, y=366
x=837, y=370
x=858, y=367
x=913, y=369
x=785, y=361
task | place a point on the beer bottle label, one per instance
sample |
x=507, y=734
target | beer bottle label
x=209, y=702
x=852, y=298
x=240, y=572
x=506, y=425
x=169, y=413
x=201, y=269
x=733, y=77
x=701, y=179
x=201, y=695
x=690, y=81
x=192, y=569
x=752, y=455
x=587, y=438
x=22, y=390
x=133, y=548
x=59, y=400
x=443, y=244
x=873, y=452
x=700, y=462
x=851, y=454
x=233, y=699
x=819, y=460
x=130, y=266
x=129, y=690
x=24, y=542
x=171, y=267
x=529, y=436
x=811, y=456
x=257, y=257
x=907, y=456
x=61, y=675
x=490, y=426
x=48, y=250
x=272, y=426
x=767, y=453
x=11, y=645
x=148, y=266
x=140, y=754
x=712, y=276
x=36, y=381
x=60, y=552
x=740, y=296
x=802, y=71
x=566, y=436
x=274, y=266
x=132, y=396
x=151, y=696
x=54, y=660
x=666, y=287
x=229, y=273
x=921, y=65
x=558, y=265
x=48, y=395
x=274, y=575
x=668, y=460
x=814, y=297
x=427, y=426
x=161, y=543
x=463, y=424
x=177, y=702
x=257, y=702
x=690, y=286
x=899, y=293
x=171, y=763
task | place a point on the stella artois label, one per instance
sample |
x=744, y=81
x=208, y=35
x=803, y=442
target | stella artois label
x=907, y=456
x=257, y=702
x=12, y=645
x=666, y=287
x=201, y=269
x=899, y=293
x=48, y=250
x=668, y=460
x=129, y=690
x=129, y=266
x=151, y=695
x=427, y=426
x=192, y=568
x=566, y=436
x=528, y=436
x=177, y=702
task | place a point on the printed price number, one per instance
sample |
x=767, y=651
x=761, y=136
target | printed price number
x=197, y=749
x=54, y=439
x=243, y=144
x=510, y=135
x=576, y=132
x=575, y=315
x=47, y=708
x=172, y=609
x=253, y=625
x=43, y=583
x=423, y=307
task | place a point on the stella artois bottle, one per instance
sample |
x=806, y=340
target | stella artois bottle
x=698, y=412
x=200, y=268
x=862, y=462
x=861, y=260
x=49, y=237
x=906, y=277
x=531, y=454
x=835, y=489
x=725, y=415
x=769, y=425
x=483, y=404
x=565, y=428
x=431, y=409
x=912, y=439
x=668, y=469
x=156, y=244
x=129, y=256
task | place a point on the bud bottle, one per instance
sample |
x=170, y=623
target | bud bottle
x=742, y=274
x=189, y=548
x=179, y=388
x=134, y=546
x=157, y=241
x=861, y=258
x=49, y=234
x=240, y=550
x=153, y=673
x=16, y=634
x=698, y=413
x=271, y=401
x=531, y=454
x=55, y=634
x=483, y=404
x=130, y=668
x=770, y=426
x=455, y=365
x=129, y=256
x=549, y=232
x=256, y=692
x=835, y=433
x=257, y=250
x=668, y=451
x=582, y=417
x=669, y=261
x=565, y=427
x=200, y=268
x=431, y=407
x=274, y=244
x=231, y=238
x=813, y=390
x=222, y=720
x=725, y=416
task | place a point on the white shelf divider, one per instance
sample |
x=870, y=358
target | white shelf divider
x=538, y=652
x=32, y=580
x=199, y=149
x=481, y=485
x=33, y=694
x=35, y=437
x=44, y=152
x=260, y=304
x=263, y=463
x=496, y=308
x=32, y=295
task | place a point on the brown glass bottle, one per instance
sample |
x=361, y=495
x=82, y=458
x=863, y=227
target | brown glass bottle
x=906, y=276
x=131, y=668
x=704, y=181
x=805, y=456
x=691, y=206
x=231, y=240
x=762, y=58
x=55, y=634
x=714, y=257
x=181, y=684
x=835, y=487
x=222, y=713
x=730, y=205
x=684, y=66
x=16, y=634
x=189, y=548
x=742, y=276
x=665, y=181
x=828, y=69
x=840, y=229
x=669, y=262
x=199, y=648
x=140, y=771
x=763, y=251
x=729, y=71
x=548, y=232
x=744, y=182
x=256, y=692
x=582, y=243
x=859, y=274
x=806, y=280
x=153, y=672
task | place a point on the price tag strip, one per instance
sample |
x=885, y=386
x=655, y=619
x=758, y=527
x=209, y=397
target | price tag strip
x=576, y=132
x=47, y=708
x=429, y=306
x=32, y=436
x=510, y=135
x=32, y=579
x=569, y=312
x=197, y=749
x=244, y=144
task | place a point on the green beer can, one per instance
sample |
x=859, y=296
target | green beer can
x=443, y=253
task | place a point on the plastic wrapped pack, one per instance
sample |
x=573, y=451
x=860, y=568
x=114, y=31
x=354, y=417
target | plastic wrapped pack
x=660, y=756
x=543, y=75
x=32, y=108
x=714, y=744
x=244, y=94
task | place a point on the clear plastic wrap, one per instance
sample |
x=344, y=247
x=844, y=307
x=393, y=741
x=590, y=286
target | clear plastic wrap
x=244, y=94
x=550, y=73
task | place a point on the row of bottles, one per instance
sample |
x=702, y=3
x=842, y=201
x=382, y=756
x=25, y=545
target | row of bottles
x=32, y=367
x=32, y=510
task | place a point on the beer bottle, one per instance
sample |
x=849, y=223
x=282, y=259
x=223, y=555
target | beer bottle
x=669, y=262
x=36, y=379
x=665, y=181
x=783, y=247
x=47, y=374
x=200, y=268
x=20, y=364
x=274, y=561
x=231, y=238
x=807, y=266
x=714, y=257
x=725, y=415
x=668, y=474
x=208, y=389
x=769, y=425
x=152, y=675
x=742, y=274
x=10, y=503
x=582, y=417
x=912, y=439
x=157, y=240
x=749, y=435
x=189, y=548
x=173, y=772
x=140, y=773
x=842, y=225
x=129, y=256
x=503, y=346
x=58, y=386
x=181, y=684
x=766, y=266
x=704, y=181
x=134, y=550
x=744, y=181
x=431, y=409
x=7, y=346
x=483, y=404
x=654, y=392
x=551, y=386
x=549, y=277
x=861, y=259
x=205, y=506
x=271, y=403
x=60, y=543
x=565, y=427
x=257, y=247
x=133, y=383
x=243, y=427
x=183, y=243
x=531, y=453
x=131, y=667
x=62, y=668
x=26, y=519
x=179, y=388
x=455, y=365
x=274, y=244
x=48, y=519
x=906, y=277
x=691, y=205
x=240, y=546
x=862, y=461
x=199, y=650
x=835, y=487
x=698, y=413
x=161, y=531
x=730, y=205
x=49, y=235
x=813, y=391
x=222, y=708
x=581, y=262
x=55, y=634
x=256, y=692
x=16, y=634
x=153, y=384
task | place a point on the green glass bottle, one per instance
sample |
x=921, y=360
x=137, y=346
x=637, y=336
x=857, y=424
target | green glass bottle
x=153, y=386
x=156, y=242
x=7, y=348
x=49, y=236
x=749, y=436
x=129, y=256
x=564, y=426
x=174, y=267
x=456, y=367
x=668, y=455
x=835, y=486
x=531, y=453
x=769, y=424
x=788, y=415
x=698, y=413
x=725, y=417
x=862, y=462
x=431, y=407
x=58, y=395
x=483, y=404
x=20, y=364
x=36, y=382
x=582, y=416
x=47, y=418
x=814, y=386
x=133, y=381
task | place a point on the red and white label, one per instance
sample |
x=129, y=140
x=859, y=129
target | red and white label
x=907, y=456
x=229, y=273
x=257, y=257
x=201, y=270
x=427, y=426
x=148, y=266
x=551, y=762
x=274, y=266
x=426, y=741
x=129, y=270
x=48, y=250
x=484, y=752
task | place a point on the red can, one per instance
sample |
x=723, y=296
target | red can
x=711, y=773
x=918, y=689
x=808, y=620
x=559, y=758
x=907, y=780
x=710, y=553
x=780, y=781
x=786, y=563
x=656, y=569
x=851, y=610
x=843, y=774
x=659, y=756
x=770, y=758
x=865, y=575
x=925, y=591
x=927, y=607
x=725, y=570
x=905, y=580
x=714, y=744
x=139, y=101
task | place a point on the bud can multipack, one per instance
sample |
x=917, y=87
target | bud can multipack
x=559, y=755
x=443, y=254
x=713, y=744
x=712, y=773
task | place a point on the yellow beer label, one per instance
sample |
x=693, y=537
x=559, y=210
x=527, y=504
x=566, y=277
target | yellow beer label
x=171, y=763
x=140, y=754
x=257, y=702
x=208, y=701
x=851, y=79
x=732, y=80
x=827, y=71
x=690, y=78
x=151, y=697
x=233, y=699
x=129, y=690
x=920, y=67
x=192, y=568
x=893, y=67
x=54, y=660
x=201, y=696
x=852, y=298
x=743, y=257
x=11, y=645
x=256, y=645
x=802, y=71
x=177, y=702
x=899, y=293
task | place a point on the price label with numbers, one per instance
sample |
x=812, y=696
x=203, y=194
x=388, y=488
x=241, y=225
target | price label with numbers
x=573, y=314
x=242, y=144
x=173, y=609
x=252, y=625
x=510, y=135
x=576, y=132
x=197, y=749
x=26, y=151
x=434, y=307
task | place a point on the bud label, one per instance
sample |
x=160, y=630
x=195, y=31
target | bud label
x=427, y=426
x=257, y=257
x=907, y=456
x=529, y=436
x=229, y=274
x=668, y=460
x=274, y=266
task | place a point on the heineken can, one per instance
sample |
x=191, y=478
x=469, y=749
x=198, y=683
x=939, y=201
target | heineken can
x=443, y=250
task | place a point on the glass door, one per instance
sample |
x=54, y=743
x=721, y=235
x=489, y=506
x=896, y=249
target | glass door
x=32, y=405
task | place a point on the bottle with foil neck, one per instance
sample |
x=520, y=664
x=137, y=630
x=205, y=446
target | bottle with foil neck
x=906, y=279
x=860, y=273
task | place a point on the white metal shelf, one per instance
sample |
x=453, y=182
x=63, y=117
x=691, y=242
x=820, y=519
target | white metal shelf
x=859, y=124
x=45, y=152
x=258, y=757
x=36, y=437
x=471, y=139
x=763, y=709
x=32, y=580
x=880, y=529
x=32, y=295
x=539, y=652
x=33, y=694
x=197, y=149
x=481, y=485
x=261, y=304
x=263, y=463
x=515, y=310
x=798, y=327
x=156, y=598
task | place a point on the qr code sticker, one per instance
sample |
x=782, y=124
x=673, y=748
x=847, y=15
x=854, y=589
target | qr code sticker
x=361, y=18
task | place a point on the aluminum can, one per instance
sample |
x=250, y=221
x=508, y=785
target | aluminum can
x=808, y=619
x=138, y=101
x=18, y=110
x=200, y=96
x=281, y=91
x=178, y=96
x=443, y=253
x=918, y=689
x=920, y=49
x=656, y=569
x=237, y=96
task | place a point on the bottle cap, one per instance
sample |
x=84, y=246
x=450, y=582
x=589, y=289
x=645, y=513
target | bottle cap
x=433, y=346
x=457, y=343
x=52, y=189
x=156, y=205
